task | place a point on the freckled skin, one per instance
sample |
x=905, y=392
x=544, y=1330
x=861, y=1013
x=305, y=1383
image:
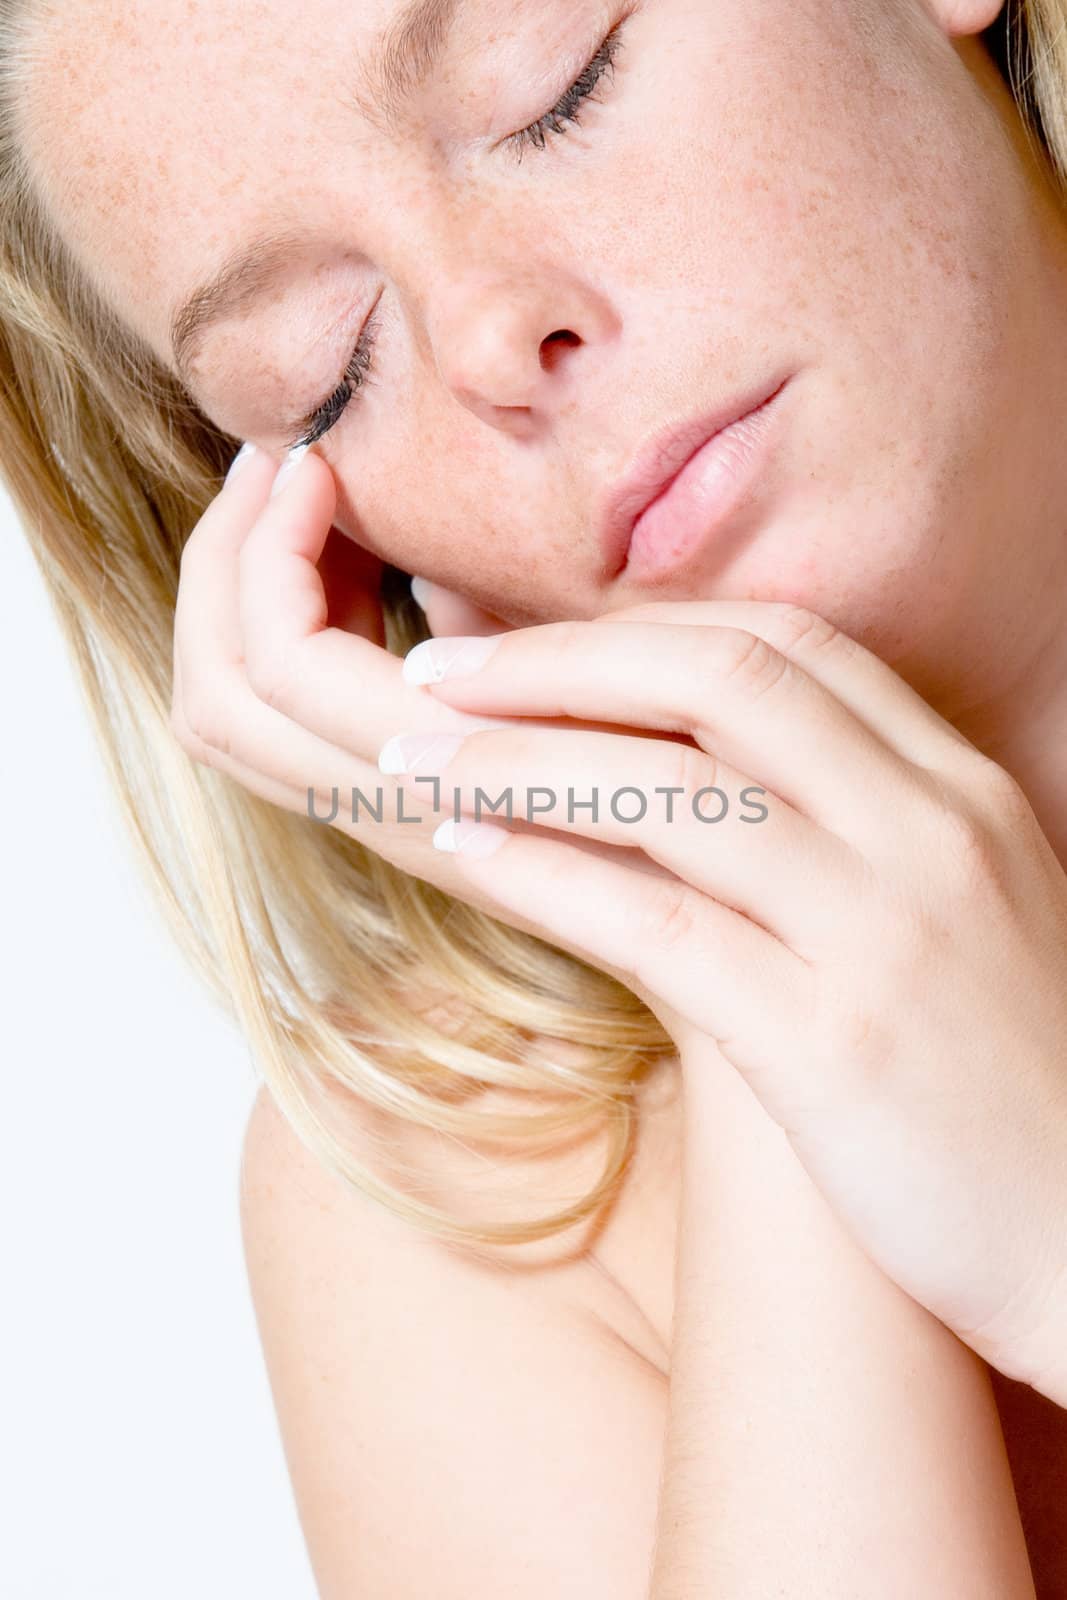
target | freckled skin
x=836, y=189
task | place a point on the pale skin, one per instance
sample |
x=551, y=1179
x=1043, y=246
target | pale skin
x=883, y=650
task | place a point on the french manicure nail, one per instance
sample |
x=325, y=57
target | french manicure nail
x=456, y=657
x=288, y=467
x=422, y=591
x=406, y=751
x=471, y=838
x=245, y=454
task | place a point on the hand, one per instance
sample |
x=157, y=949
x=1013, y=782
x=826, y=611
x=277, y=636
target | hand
x=883, y=957
x=278, y=614
x=281, y=680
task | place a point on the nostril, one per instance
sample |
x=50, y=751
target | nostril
x=561, y=336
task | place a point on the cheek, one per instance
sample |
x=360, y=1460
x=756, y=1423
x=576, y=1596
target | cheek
x=800, y=145
x=448, y=506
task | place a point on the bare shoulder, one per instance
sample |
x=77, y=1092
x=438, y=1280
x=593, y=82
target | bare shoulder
x=451, y=1425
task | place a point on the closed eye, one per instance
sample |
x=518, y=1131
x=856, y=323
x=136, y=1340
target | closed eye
x=356, y=376
x=566, y=109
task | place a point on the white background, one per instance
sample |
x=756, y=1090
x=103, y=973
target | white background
x=139, y=1454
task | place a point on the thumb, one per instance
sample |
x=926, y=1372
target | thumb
x=450, y=613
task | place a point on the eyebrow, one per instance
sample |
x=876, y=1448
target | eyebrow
x=404, y=58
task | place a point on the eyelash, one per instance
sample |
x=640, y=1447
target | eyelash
x=357, y=375
x=581, y=90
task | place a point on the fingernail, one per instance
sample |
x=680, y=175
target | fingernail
x=246, y=452
x=422, y=591
x=457, y=657
x=470, y=838
x=406, y=751
x=288, y=467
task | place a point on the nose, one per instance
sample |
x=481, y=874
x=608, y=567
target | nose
x=506, y=343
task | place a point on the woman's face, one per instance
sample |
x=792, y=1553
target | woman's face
x=829, y=191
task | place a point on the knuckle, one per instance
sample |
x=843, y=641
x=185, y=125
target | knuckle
x=968, y=853
x=856, y=1035
x=859, y=1033
x=690, y=769
x=1001, y=793
x=270, y=675
x=861, y=1044
x=748, y=661
x=196, y=749
x=205, y=756
x=987, y=787
x=668, y=918
x=201, y=727
x=793, y=626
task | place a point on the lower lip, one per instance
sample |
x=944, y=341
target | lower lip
x=696, y=503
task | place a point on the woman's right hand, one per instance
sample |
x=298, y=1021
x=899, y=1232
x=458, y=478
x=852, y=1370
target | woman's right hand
x=281, y=679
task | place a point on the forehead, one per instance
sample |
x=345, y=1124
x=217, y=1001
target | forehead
x=163, y=131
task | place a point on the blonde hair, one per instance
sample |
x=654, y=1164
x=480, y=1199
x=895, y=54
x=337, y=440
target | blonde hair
x=309, y=940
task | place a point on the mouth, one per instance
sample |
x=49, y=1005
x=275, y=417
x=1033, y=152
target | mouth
x=682, y=484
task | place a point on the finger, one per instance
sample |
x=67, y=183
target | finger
x=215, y=715
x=413, y=852
x=449, y=612
x=869, y=686
x=695, y=815
x=730, y=689
x=341, y=686
x=207, y=639
x=223, y=724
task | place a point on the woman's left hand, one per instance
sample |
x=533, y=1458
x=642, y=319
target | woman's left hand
x=874, y=935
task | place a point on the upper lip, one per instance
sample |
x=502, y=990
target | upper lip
x=657, y=463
